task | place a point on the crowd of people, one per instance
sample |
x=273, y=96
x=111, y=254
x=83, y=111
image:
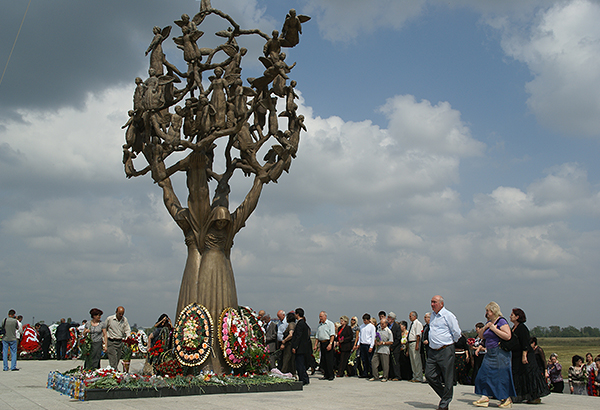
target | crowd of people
x=105, y=336
x=502, y=362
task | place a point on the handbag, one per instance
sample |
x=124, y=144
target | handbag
x=511, y=344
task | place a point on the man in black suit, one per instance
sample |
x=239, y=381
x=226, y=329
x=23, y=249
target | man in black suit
x=395, y=348
x=45, y=339
x=62, y=338
x=301, y=345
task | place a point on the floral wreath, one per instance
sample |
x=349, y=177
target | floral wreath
x=192, y=336
x=142, y=339
x=233, y=337
x=254, y=328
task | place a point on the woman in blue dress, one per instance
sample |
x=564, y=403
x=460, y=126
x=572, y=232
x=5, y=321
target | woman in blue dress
x=494, y=378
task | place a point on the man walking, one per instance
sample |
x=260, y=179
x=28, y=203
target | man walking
x=414, y=344
x=116, y=329
x=324, y=340
x=444, y=331
x=9, y=341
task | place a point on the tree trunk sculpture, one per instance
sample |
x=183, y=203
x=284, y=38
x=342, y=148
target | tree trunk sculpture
x=220, y=114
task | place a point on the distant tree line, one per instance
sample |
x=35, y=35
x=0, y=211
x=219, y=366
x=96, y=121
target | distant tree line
x=569, y=331
x=555, y=331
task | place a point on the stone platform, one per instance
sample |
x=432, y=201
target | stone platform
x=26, y=389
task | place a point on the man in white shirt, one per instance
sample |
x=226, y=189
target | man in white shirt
x=116, y=330
x=282, y=325
x=444, y=331
x=414, y=344
x=365, y=342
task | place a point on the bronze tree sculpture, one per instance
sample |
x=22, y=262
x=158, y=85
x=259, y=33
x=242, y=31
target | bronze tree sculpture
x=241, y=118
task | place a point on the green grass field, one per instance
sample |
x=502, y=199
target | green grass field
x=567, y=347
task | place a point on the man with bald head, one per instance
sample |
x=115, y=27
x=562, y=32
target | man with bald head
x=282, y=325
x=324, y=339
x=444, y=331
x=116, y=329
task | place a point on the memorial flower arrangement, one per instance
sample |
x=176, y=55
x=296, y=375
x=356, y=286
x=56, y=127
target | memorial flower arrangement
x=130, y=346
x=255, y=329
x=170, y=367
x=142, y=339
x=157, y=349
x=256, y=358
x=233, y=337
x=76, y=382
x=85, y=345
x=192, y=335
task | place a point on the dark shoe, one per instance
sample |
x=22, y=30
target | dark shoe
x=14, y=370
x=323, y=378
x=442, y=408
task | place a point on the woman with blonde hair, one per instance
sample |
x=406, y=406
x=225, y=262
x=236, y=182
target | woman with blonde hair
x=494, y=378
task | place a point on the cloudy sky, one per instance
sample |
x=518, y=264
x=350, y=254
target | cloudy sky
x=451, y=149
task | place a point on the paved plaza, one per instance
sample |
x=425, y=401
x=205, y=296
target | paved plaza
x=26, y=389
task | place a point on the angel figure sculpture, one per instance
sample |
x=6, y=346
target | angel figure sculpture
x=292, y=28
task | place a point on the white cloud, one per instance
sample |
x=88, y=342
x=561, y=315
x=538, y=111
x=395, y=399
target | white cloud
x=562, y=50
x=358, y=164
x=563, y=193
x=435, y=129
x=344, y=20
x=70, y=144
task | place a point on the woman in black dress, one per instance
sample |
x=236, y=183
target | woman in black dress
x=529, y=383
x=344, y=342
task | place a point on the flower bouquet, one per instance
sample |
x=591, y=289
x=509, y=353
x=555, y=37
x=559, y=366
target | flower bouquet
x=129, y=348
x=256, y=358
x=85, y=346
